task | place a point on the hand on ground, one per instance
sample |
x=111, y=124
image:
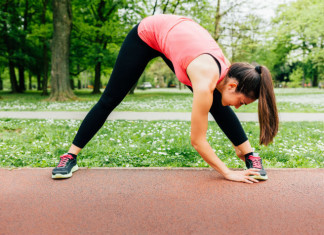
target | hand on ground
x=243, y=176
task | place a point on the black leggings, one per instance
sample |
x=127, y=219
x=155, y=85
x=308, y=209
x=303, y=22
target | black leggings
x=133, y=57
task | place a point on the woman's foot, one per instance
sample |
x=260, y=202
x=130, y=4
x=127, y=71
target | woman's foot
x=254, y=161
x=65, y=168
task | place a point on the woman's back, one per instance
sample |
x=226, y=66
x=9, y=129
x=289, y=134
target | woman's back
x=181, y=40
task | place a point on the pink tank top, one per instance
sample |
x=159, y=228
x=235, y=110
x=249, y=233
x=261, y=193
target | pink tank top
x=181, y=40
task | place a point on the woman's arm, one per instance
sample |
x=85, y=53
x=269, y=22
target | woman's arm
x=203, y=73
x=199, y=123
x=203, y=76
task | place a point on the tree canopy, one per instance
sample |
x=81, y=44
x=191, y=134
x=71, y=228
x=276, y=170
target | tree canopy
x=290, y=45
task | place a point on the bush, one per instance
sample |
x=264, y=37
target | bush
x=295, y=78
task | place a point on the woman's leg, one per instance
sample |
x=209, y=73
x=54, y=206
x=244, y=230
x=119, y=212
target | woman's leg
x=130, y=64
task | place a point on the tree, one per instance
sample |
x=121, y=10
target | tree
x=22, y=48
x=60, y=76
x=244, y=38
x=99, y=30
x=10, y=34
x=299, y=26
x=21, y=28
x=45, y=58
x=220, y=14
x=41, y=24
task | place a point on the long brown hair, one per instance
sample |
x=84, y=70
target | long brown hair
x=256, y=83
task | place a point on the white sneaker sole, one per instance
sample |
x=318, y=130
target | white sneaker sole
x=260, y=177
x=60, y=176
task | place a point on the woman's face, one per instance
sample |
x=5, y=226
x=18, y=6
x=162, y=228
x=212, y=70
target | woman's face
x=232, y=98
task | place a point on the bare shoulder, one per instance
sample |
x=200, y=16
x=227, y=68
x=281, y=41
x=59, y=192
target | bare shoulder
x=203, y=69
x=203, y=62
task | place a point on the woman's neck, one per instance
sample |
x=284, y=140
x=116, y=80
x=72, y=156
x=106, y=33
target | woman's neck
x=220, y=86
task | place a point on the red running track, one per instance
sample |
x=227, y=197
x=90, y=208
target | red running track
x=160, y=201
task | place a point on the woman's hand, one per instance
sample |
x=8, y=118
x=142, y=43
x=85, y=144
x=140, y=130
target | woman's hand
x=243, y=176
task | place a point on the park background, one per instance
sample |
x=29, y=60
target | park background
x=42, y=69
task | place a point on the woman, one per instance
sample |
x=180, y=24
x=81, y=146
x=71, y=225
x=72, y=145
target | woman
x=198, y=62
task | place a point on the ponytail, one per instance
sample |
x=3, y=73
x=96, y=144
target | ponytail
x=256, y=83
x=267, y=108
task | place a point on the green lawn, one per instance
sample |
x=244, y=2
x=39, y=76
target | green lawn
x=39, y=143
x=160, y=100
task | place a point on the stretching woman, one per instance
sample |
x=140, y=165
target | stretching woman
x=198, y=62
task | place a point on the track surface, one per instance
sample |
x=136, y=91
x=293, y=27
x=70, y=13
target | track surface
x=160, y=201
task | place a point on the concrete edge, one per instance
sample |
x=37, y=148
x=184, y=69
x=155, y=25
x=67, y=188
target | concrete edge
x=161, y=168
x=152, y=116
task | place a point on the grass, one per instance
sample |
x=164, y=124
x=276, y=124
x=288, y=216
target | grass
x=39, y=143
x=307, y=100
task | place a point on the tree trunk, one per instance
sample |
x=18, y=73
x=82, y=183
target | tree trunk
x=21, y=69
x=45, y=52
x=97, y=83
x=219, y=16
x=60, y=74
x=1, y=83
x=165, y=7
x=175, y=6
x=45, y=69
x=9, y=44
x=72, y=84
x=315, y=77
x=13, y=78
x=131, y=92
x=217, y=21
x=39, y=83
x=30, y=86
x=154, y=8
x=96, y=86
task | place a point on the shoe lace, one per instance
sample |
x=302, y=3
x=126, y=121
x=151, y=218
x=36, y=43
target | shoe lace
x=256, y=162
x=64, y=159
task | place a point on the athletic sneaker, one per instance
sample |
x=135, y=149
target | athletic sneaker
x=254, y=161
x=65, y=168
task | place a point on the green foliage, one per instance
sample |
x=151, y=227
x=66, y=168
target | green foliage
x=99, y=29
x=244, y=39
x=100, y=26
x=296, y=77
x=298, y=30
x=159, y=74
x=94, y=27
x=26, y=26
